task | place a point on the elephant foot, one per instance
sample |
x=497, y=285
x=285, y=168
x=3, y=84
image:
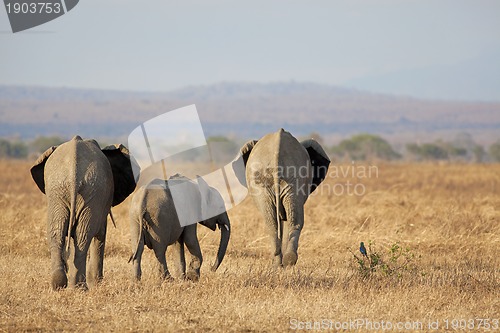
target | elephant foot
x=290, y=259
x=165, y=275
x=78, y=282
x=95, y=280
x=277, y=264
x=193, y=276
x=277, y=261
x=59, y=280
x=167, y=278
x=82, y=286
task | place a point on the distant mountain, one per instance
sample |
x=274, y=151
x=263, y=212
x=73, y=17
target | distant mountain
x=244, y=110
x=233, y=90
x=475, y=79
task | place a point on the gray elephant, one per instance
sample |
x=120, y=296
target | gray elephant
x=81, y=183
x=163, y=213
x=281, y=173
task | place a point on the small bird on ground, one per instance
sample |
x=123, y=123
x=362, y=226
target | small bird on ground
x=362, y=249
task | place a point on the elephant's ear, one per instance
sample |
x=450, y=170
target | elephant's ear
x=319, y=161
x=38, y=169
x=240, y=163
x=247, y=149
x=123, y=166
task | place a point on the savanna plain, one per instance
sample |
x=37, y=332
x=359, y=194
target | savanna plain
x=443, y=218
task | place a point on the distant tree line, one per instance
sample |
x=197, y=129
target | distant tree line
x=13, y=149
x=22, y=149
x=370, y=147
x=358, y=147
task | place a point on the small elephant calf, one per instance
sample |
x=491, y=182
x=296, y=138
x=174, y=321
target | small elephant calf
x=155, y=222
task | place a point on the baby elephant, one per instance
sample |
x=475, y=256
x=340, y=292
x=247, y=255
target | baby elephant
x=157, y=220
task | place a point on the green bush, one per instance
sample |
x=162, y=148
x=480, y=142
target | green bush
x=432, y=151
x=365, y=146
x=393, y=262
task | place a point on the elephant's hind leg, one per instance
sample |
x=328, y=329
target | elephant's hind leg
x=77, y=276
x=268, y=209
x=96, y=264
x=137, y=242
x=180, y=258
x=272, y=226
x=291, y=232
x=58, y=217
x=137, y=271
x=193, y=246
x=160, y=254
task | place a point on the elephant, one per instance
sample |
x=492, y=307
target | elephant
x=81, y=183
x=159, y=219
x=280, y=174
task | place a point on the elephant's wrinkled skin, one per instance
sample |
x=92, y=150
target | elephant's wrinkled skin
x=154, y=222
x=280, y=175
x=81, y=183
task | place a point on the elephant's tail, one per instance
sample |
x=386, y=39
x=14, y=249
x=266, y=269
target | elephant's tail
x=72, y=216
x=277, y=190
x=112, y=218
x=139, y=238
x=73, y=189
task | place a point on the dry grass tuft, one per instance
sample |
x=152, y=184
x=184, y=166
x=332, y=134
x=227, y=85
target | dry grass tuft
x=448, y=215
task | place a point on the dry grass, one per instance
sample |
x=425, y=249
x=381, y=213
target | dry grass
x=449, y=215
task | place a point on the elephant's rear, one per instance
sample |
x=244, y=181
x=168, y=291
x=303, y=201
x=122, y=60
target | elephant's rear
x=150, y=206
x=79, y=171
x=279, y=174
x=78, y=179
x=279, y=159
x=79, y=192
x=148, y=209
x=81, y=182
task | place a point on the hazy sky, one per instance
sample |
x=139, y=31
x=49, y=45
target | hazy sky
x=438, y=49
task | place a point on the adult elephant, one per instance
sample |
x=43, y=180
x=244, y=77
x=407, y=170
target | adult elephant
x=81, y=183
x=281, y=173
x=164, y=213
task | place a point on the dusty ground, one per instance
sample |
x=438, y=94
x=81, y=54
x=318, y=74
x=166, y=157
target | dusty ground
x=447, y=215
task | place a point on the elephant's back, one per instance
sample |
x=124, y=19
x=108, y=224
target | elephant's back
x=79, y=165
x=279, y=148
x=291, y=152
x=155, y=204
x=157, y=200
x=277, y=152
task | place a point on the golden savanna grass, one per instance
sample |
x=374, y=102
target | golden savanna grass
x=448, y=215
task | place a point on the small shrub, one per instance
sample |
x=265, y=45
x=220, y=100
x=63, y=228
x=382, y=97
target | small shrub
x=393, y=262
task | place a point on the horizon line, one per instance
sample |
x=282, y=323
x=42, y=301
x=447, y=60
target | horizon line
x=261, y=83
